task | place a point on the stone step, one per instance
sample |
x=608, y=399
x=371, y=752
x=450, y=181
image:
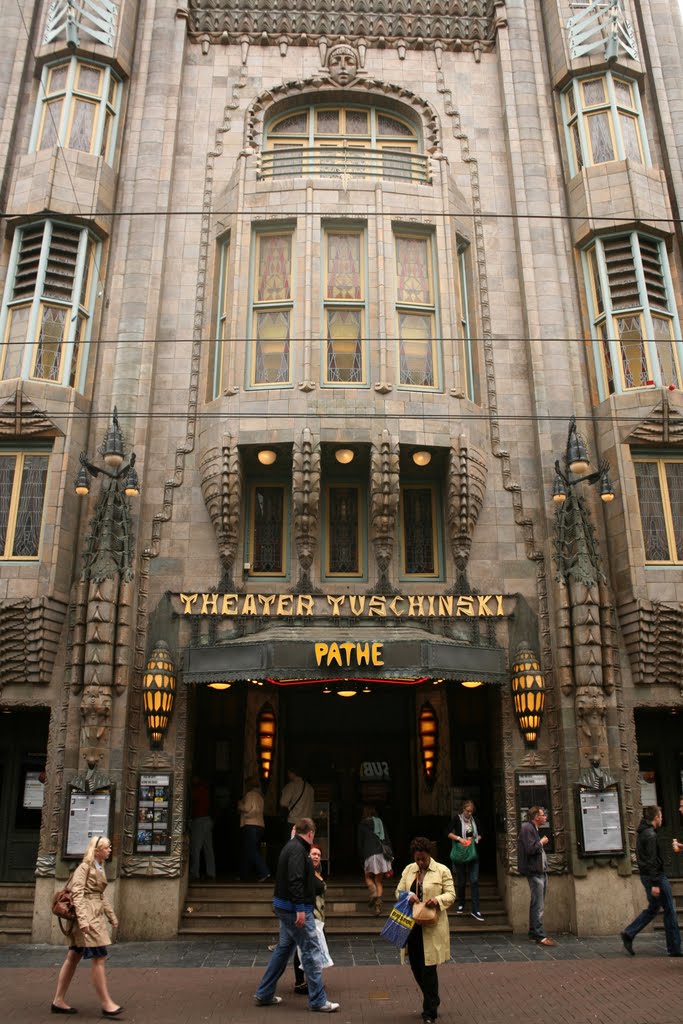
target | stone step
x=22, y=911
x=14, y=906
x=334, y=906
x=11, y=935
x=343, y=926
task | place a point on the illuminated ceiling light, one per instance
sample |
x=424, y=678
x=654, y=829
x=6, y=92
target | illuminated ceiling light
x=528, y=693
x=220, y=686
x=366, y=689
x=428, y=734
x=158, y=693
x=472, y=684
x=422, y=458
x=344, y=455
x=347, y=690
x=327, y=688
x=267, y=456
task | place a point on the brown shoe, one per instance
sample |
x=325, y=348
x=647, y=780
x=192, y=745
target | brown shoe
x=378, y=907
x=546, y=942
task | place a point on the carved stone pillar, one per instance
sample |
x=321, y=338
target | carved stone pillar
x=221, y=474
x=306, y=502
x=467, y=471
x=384, y=496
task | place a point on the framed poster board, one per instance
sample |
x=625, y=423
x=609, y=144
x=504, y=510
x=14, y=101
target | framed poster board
x=153, y=818
x=88, y=815
x=533, y=790
x=599, y=821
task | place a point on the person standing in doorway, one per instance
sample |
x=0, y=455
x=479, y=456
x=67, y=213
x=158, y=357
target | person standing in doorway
x=252, y=828
x=532, y=861
x=430, y=883
x=293, y=903
x=201, y=834
x=375, y=852
x=89, y=938
x=464, y=830
x=656, y=884
x=297, y=799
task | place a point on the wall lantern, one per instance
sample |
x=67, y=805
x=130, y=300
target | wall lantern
x=158, y=693
x=265, y=741
x=422, y=458
x=472, y=684
x=344, y=456
x=220, y=686
x=528, y=693
x=428, y=733
x=576, y=470
x=267, y=456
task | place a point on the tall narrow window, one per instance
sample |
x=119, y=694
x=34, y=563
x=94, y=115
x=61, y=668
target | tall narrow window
x=343, y=548
x=272, y=308
x=634, y=319
x=418, y=530
x=267, y=540
x=78, y=108
x=468, y=360
x=603, y=121
x=659, y=482
x=415, y=311
x=217, y=355
x=345, y=312
x=48, y=304
x=23, y=478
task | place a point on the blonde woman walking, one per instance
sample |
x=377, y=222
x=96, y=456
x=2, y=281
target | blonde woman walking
x=89, y=937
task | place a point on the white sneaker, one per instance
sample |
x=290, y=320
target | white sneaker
x=327, y=1007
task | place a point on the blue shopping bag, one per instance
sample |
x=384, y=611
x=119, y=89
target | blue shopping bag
x=400, y=922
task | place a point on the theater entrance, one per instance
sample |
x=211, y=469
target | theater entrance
x=356, y=751
x=23, y=747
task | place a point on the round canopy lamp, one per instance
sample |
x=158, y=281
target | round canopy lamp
x=528, y=693
x=220, y=686
x=266, y=728
x=347, y=689
x=344, y=456
x=158, y=693
x=422, y=458
x=472, y=684
x=267, y=456
x=428, y=735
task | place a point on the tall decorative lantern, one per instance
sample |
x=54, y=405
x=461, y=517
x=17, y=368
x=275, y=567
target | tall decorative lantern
x=428, y=733
x=158, y=688
x=528, y=693
x=265, y=741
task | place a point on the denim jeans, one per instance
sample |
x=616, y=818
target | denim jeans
x=665, y=900
x=306, y=939
x=201, y=841
x=537, y=889
x=461, y=873
x=252, y=861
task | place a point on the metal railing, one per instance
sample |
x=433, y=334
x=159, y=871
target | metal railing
x=344, y=161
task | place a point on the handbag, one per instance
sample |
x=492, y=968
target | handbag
x=461, y=854
x=63, y=907
x=387, y=852
x=422, y=914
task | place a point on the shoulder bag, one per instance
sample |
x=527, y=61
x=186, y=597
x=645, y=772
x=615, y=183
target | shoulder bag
x=63, y=907
x=461, y=854
x=422, y=914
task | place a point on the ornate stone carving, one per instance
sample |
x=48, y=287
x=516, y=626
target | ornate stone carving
x=160, y=867
x=662, y=425
x=384, y=497
x=591, y=711
x=30, y=630
x=90, y=781
x=653, y=634
x=19, y=417
x=456, y=24
x=342, y=64
x=467, y=472
x=46, y=866
x=306, y=502
x=221, y=475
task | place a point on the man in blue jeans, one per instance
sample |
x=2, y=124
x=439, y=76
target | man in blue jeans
x=656, y=884
x=293, y=903
x=533, y=862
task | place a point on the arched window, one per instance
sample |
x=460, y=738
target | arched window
x=328, y=141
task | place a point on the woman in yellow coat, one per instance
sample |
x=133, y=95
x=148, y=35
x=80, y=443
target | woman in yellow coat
x=429, y=944
x=89, y=936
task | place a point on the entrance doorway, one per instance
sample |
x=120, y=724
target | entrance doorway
x=355, y=751
x=23, y=751
x=660, y=766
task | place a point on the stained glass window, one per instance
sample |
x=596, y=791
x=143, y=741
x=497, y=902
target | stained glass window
x=343, y=532
x=268, y=535
x=418, y=526
x=78, y=108
x=272, y=308
x=603, y=121
x=659, y=483
x=344, y=283
x=416, y=324
x=23, y=478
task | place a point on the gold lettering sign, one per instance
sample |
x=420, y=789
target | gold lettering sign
x=351, y=606
x=348, y=655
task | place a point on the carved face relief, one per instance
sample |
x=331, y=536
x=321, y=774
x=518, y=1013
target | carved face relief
x=342, y=64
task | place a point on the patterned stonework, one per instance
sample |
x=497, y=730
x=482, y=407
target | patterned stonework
x=653, y=632
x=30, y=630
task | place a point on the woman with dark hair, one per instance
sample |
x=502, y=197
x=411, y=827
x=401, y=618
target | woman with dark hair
x=89, y=937
x=375, y=852
x=429, y=944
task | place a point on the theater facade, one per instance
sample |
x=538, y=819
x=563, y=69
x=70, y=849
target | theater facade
x=340, y=429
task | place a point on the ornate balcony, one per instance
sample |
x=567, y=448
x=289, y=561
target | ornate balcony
x=344, y=162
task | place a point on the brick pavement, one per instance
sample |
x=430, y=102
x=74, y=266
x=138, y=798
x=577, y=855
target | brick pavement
x=584, y=982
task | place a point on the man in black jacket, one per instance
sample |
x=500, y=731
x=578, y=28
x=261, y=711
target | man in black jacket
x=532, y=862
x=657, y=886
x=293, y=903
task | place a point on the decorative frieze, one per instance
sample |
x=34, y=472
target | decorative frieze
x=467, y=471
x=19, y=417
x=30, y=631
x=384, y=497
x=306, y=502
x=653, y=634
x=221, y=473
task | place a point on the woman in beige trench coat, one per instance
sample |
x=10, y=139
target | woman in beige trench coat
x=429, y=944
x=89, y=936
